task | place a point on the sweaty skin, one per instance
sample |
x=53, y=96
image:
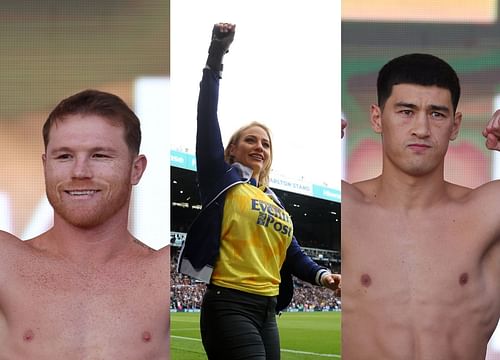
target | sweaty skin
x=420, y=256
x=53, y=309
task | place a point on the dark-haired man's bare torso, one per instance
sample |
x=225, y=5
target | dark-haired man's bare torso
x=53, y=309
x=419, y=283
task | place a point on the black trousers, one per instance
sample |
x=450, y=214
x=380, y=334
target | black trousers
x=236, y=325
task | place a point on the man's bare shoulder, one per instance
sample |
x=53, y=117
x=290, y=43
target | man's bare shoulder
x=145, y=251
x=457, y=192
x=6, y=237
x=480, y=205
x=151, y=263
x=360, y=191
x=11, y=250
x=489, y=189
x=10, y=243
x=486, y=194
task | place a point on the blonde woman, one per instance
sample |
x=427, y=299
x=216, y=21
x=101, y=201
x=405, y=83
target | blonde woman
x=242, y=242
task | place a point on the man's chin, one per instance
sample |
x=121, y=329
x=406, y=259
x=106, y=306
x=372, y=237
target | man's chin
x=419, y=171
x=83, y=222
x=81, y=217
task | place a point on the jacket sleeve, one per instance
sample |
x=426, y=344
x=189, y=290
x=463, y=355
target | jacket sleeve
x=297, y=262
x=301, y=265
x=209, y=148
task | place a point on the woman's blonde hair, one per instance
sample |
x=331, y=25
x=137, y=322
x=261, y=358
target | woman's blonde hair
x=264, y=174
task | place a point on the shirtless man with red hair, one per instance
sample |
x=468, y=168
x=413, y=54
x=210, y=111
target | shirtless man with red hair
x=86, y=288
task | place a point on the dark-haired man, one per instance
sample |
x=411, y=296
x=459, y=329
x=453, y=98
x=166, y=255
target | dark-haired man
x=86, y=288
x=420, y=255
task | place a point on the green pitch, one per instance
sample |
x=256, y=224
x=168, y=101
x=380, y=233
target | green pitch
x=304, y=336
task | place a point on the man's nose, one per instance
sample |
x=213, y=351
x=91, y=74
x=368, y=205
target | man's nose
x=81, y=168
x=421, y=126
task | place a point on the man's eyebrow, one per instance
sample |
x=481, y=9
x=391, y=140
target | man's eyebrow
x=442, y=108
x=94, y=149
x=61, y=149
x=406, y=105
x=103, y=149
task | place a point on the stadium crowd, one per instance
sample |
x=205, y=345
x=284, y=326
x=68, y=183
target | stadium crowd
x=186, y=294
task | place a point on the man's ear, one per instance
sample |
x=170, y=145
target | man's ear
x=376, y=118
x=138, y=167
x=457, y=121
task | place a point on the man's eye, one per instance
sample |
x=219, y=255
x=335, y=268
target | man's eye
x=436, y=114
x=100, y=156
x=63, y=157
x=406, y=112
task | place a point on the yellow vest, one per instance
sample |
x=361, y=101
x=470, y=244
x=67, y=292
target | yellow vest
x=254, y=238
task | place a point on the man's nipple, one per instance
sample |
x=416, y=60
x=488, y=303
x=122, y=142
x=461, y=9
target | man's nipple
x=146, y=336
x=366, y=280
x=463, y=279
x=28, y=335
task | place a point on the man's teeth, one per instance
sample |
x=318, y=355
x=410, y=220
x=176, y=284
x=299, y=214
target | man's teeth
x=82, y=192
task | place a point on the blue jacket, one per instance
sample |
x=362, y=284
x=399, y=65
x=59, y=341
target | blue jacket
x=215, y=176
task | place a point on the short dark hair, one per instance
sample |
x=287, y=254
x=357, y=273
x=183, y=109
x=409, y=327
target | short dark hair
x=419, y=69
x=95, y=102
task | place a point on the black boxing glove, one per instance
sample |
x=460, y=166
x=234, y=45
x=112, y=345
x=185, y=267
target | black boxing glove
x=219, y=46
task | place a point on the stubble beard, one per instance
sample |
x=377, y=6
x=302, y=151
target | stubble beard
x=417, y=167
x=87, y=215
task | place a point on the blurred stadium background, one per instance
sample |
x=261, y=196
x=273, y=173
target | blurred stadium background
x=466, y=34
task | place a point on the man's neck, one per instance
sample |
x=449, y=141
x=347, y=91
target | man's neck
x=397, y=189
x=96, y=245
